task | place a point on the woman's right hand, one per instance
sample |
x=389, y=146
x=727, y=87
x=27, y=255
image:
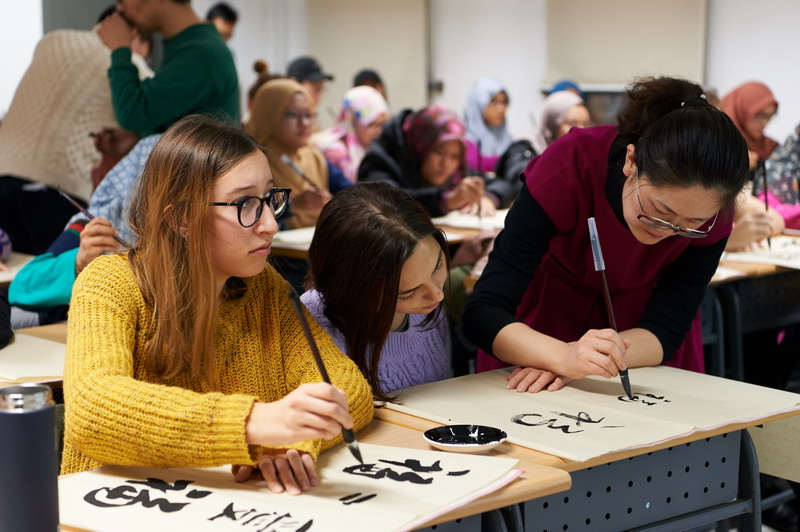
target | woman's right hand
x=312, y=199
x=598, y=352
x=96, y=238
x=469, y=191
x=749, y=227
x=312, y=411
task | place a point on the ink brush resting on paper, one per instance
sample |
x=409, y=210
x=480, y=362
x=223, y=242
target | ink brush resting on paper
x=480, y=173
x=348, y=434
x=89, y=215
x=766, y=199
x=600, y=266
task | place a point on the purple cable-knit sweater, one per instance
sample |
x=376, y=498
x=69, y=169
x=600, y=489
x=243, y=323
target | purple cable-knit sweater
x=414, y=356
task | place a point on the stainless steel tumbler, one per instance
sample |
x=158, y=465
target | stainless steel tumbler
x=28, y=461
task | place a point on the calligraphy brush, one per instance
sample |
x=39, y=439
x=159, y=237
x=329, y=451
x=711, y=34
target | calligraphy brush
x=87, y=213
x=480, y=173
x=766, y=202
x=290, y=163
x=347, y=434
x=600, y=266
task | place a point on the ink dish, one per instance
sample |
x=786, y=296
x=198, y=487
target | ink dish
x=465, y=438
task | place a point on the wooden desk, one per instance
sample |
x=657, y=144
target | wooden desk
x=15, y=264
x=298, y=248
x=57, y=332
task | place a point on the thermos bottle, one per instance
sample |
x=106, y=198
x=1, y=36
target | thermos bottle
x=28, y=461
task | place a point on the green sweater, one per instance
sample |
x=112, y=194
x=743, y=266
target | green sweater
x=197, y=75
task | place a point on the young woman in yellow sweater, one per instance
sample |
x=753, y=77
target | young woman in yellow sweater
x=185, y=351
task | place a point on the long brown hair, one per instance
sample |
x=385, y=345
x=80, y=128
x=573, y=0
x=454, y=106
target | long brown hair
x=169, y=215
x=364, y=236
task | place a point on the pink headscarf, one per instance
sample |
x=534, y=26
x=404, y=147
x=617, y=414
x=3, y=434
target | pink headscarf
x=430, y=126
x=742, y=104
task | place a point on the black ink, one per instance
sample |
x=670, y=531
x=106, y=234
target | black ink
x=230, y=513
x=581, y=417
x=369, y=470
x=161, y=485
x=265, y=521
x=306, y=526
x=351, y=499
x=415, y=466
x=198, y=494
x=458, y=473
x=639, y=398
x=126, y=493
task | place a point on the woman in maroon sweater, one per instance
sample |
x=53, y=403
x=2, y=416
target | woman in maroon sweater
x=661, y=186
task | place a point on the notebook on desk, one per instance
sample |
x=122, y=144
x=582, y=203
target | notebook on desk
x=15, y=264
x=31, y=359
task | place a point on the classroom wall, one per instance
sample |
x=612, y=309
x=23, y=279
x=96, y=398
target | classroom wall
x=504, y=39
x=18, y=37
x=757, y=41
x=386, y=35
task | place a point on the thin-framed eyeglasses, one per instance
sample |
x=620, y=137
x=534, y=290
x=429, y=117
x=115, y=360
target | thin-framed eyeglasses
x=658, y=223
x=249, y=208
x=300, y=116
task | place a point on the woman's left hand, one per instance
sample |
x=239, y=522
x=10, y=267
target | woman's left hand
x=284, y=470
x=487, y=207
x=535, y=380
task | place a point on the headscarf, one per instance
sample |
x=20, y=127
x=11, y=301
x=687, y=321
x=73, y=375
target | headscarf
x=565, y=85
x=742, y=104
x=339, y=143
x=269, y=104
x=493, y=140
x=434, y=124
x=554, y=111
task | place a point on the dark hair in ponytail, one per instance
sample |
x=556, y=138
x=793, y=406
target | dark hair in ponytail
x=682, y=140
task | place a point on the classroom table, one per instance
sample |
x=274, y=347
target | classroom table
x=15, y=264
x=539, y=479
x=295, y=242
x=665, y=479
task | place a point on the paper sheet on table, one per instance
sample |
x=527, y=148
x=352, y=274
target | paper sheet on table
x=471, y=221
x=15, y=263
x=295, y=238
x=396, y=489
x=723, y=274
x=31, y=359
x=592, y=417
x=785, y=251
x=776, y=446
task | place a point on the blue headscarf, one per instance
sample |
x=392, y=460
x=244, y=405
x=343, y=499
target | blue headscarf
x=494, y=140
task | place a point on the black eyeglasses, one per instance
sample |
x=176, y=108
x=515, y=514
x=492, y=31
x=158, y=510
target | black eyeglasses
x=658, y=223
x=249, y=208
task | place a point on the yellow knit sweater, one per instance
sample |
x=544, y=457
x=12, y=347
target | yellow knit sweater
x=118, y=413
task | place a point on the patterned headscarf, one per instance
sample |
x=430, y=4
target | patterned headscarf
x=434, y=124
x=494, y=140
x=742, y=104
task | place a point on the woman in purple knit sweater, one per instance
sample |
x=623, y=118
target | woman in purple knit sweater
x=377, y=269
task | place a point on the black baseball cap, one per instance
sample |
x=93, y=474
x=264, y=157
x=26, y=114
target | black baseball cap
x=307, y=69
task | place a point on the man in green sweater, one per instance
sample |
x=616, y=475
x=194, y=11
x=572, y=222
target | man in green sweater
x=197, y=74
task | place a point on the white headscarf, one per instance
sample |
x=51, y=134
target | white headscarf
x=493, y=140
x=553, y=112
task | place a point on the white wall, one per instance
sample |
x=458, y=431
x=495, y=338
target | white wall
x=18, y=37
x=505, y=39
x=757, y=41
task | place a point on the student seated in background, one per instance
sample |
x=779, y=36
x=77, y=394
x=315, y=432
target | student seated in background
x=185, y=351
x=224, y=18
x=661, y=186
x=361, y=119
x=751, y=106
x=370, y=78
x=282, y=119
x=378, y=267
x=41, y=290
x=782, y=171
x=308, y=72
x=423, y=153
x=487, y=136
x=560, y=112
